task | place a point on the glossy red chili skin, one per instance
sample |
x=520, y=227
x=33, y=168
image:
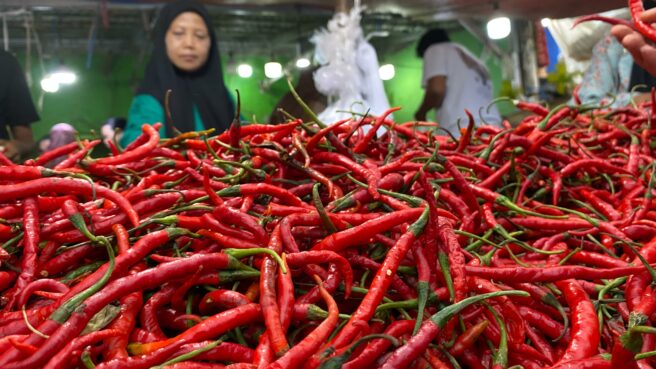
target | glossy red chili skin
x=584, y=334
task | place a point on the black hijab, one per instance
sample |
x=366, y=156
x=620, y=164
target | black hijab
x=639, y=76
x=203, y=88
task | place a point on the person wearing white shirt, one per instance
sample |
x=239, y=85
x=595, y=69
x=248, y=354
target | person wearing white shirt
x=454, y=80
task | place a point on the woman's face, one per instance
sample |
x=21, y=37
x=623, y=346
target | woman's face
x=188, y=42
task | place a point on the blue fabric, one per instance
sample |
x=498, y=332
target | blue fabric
x=608, y=75
x=553, y=50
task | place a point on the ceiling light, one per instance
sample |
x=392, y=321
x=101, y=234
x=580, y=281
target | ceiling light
x=49, y=85
x=545, y=22
x=303, y=63
x=273, y=70
x=244, y=70
x=498, y=28
x=386, y=72
x=64, y=77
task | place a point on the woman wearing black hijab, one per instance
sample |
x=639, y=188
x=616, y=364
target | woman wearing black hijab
x=186, y=61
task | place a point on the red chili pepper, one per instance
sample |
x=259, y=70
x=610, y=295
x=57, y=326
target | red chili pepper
x=468, y=338
x=603, y=207
x=623, y=357
x=178, y=297
x=466, y=136
x=148, y=317
x=541, y=344
x=515, y=325
x=595, y=362
x=392, y=182
x=433, y=358
x=493, y=179
x=240, y=219
x=24, y=348
x=548, y=274
x=72, y=159
x=584, y=334
x=30, y=249
x=423, y=281
x=304, y=349
x=460, y=183
x=227, y=299
x=397, y=283
x=317, y=257
x=645, y=29
x=316, y=138
x=473, y=359
x=225, y=351
x=356, y=168
x=381, y=281
x=64, y=261
x=599, y=164
x=362, y=233
x=37, y=186
x=377, y=347
x=598, y=260
x=198, y=365
x=268, y=300
x=559, y=225
x=122, y=238
x=124, y=323
x=365, y=141
x=139, y=281
x=406, y=354
x=331, y=282
x=39, y=285
x=262, y=189
x=255, y=129
x=62, y=356
x=144, y=165
x=50, y=155
x=409, y=132
x=542, y=322
x=7, y=278
x=531, y=107
x=133, y=154
x=285, y=288
x=263, y=353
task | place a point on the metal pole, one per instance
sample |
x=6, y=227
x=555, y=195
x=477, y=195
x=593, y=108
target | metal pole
x=528, y=61
x=5, y=33
x=341, y=6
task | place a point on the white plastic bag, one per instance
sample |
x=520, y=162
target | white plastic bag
x=349, y=72
x=577, y=43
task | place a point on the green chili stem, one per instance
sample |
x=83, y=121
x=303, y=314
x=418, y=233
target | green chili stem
x=190, y=354
x=325, y=219
x=242, y=253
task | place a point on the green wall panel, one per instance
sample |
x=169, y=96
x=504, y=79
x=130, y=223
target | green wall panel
x=106, y=88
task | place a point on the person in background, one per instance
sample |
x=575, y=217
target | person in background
x=186, y=61
x=308, y=92
x=454, y=80
x=60, y=134
x=17, y=110
x=113, y=127
x=643, y=51
x=612, y=75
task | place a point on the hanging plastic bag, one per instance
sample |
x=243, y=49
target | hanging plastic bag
x=348, y=75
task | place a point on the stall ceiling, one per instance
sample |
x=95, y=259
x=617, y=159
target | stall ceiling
x=531, y=9
x=259, y=27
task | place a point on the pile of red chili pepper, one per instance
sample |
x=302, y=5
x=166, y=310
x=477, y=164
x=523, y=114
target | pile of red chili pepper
x=303, y=245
